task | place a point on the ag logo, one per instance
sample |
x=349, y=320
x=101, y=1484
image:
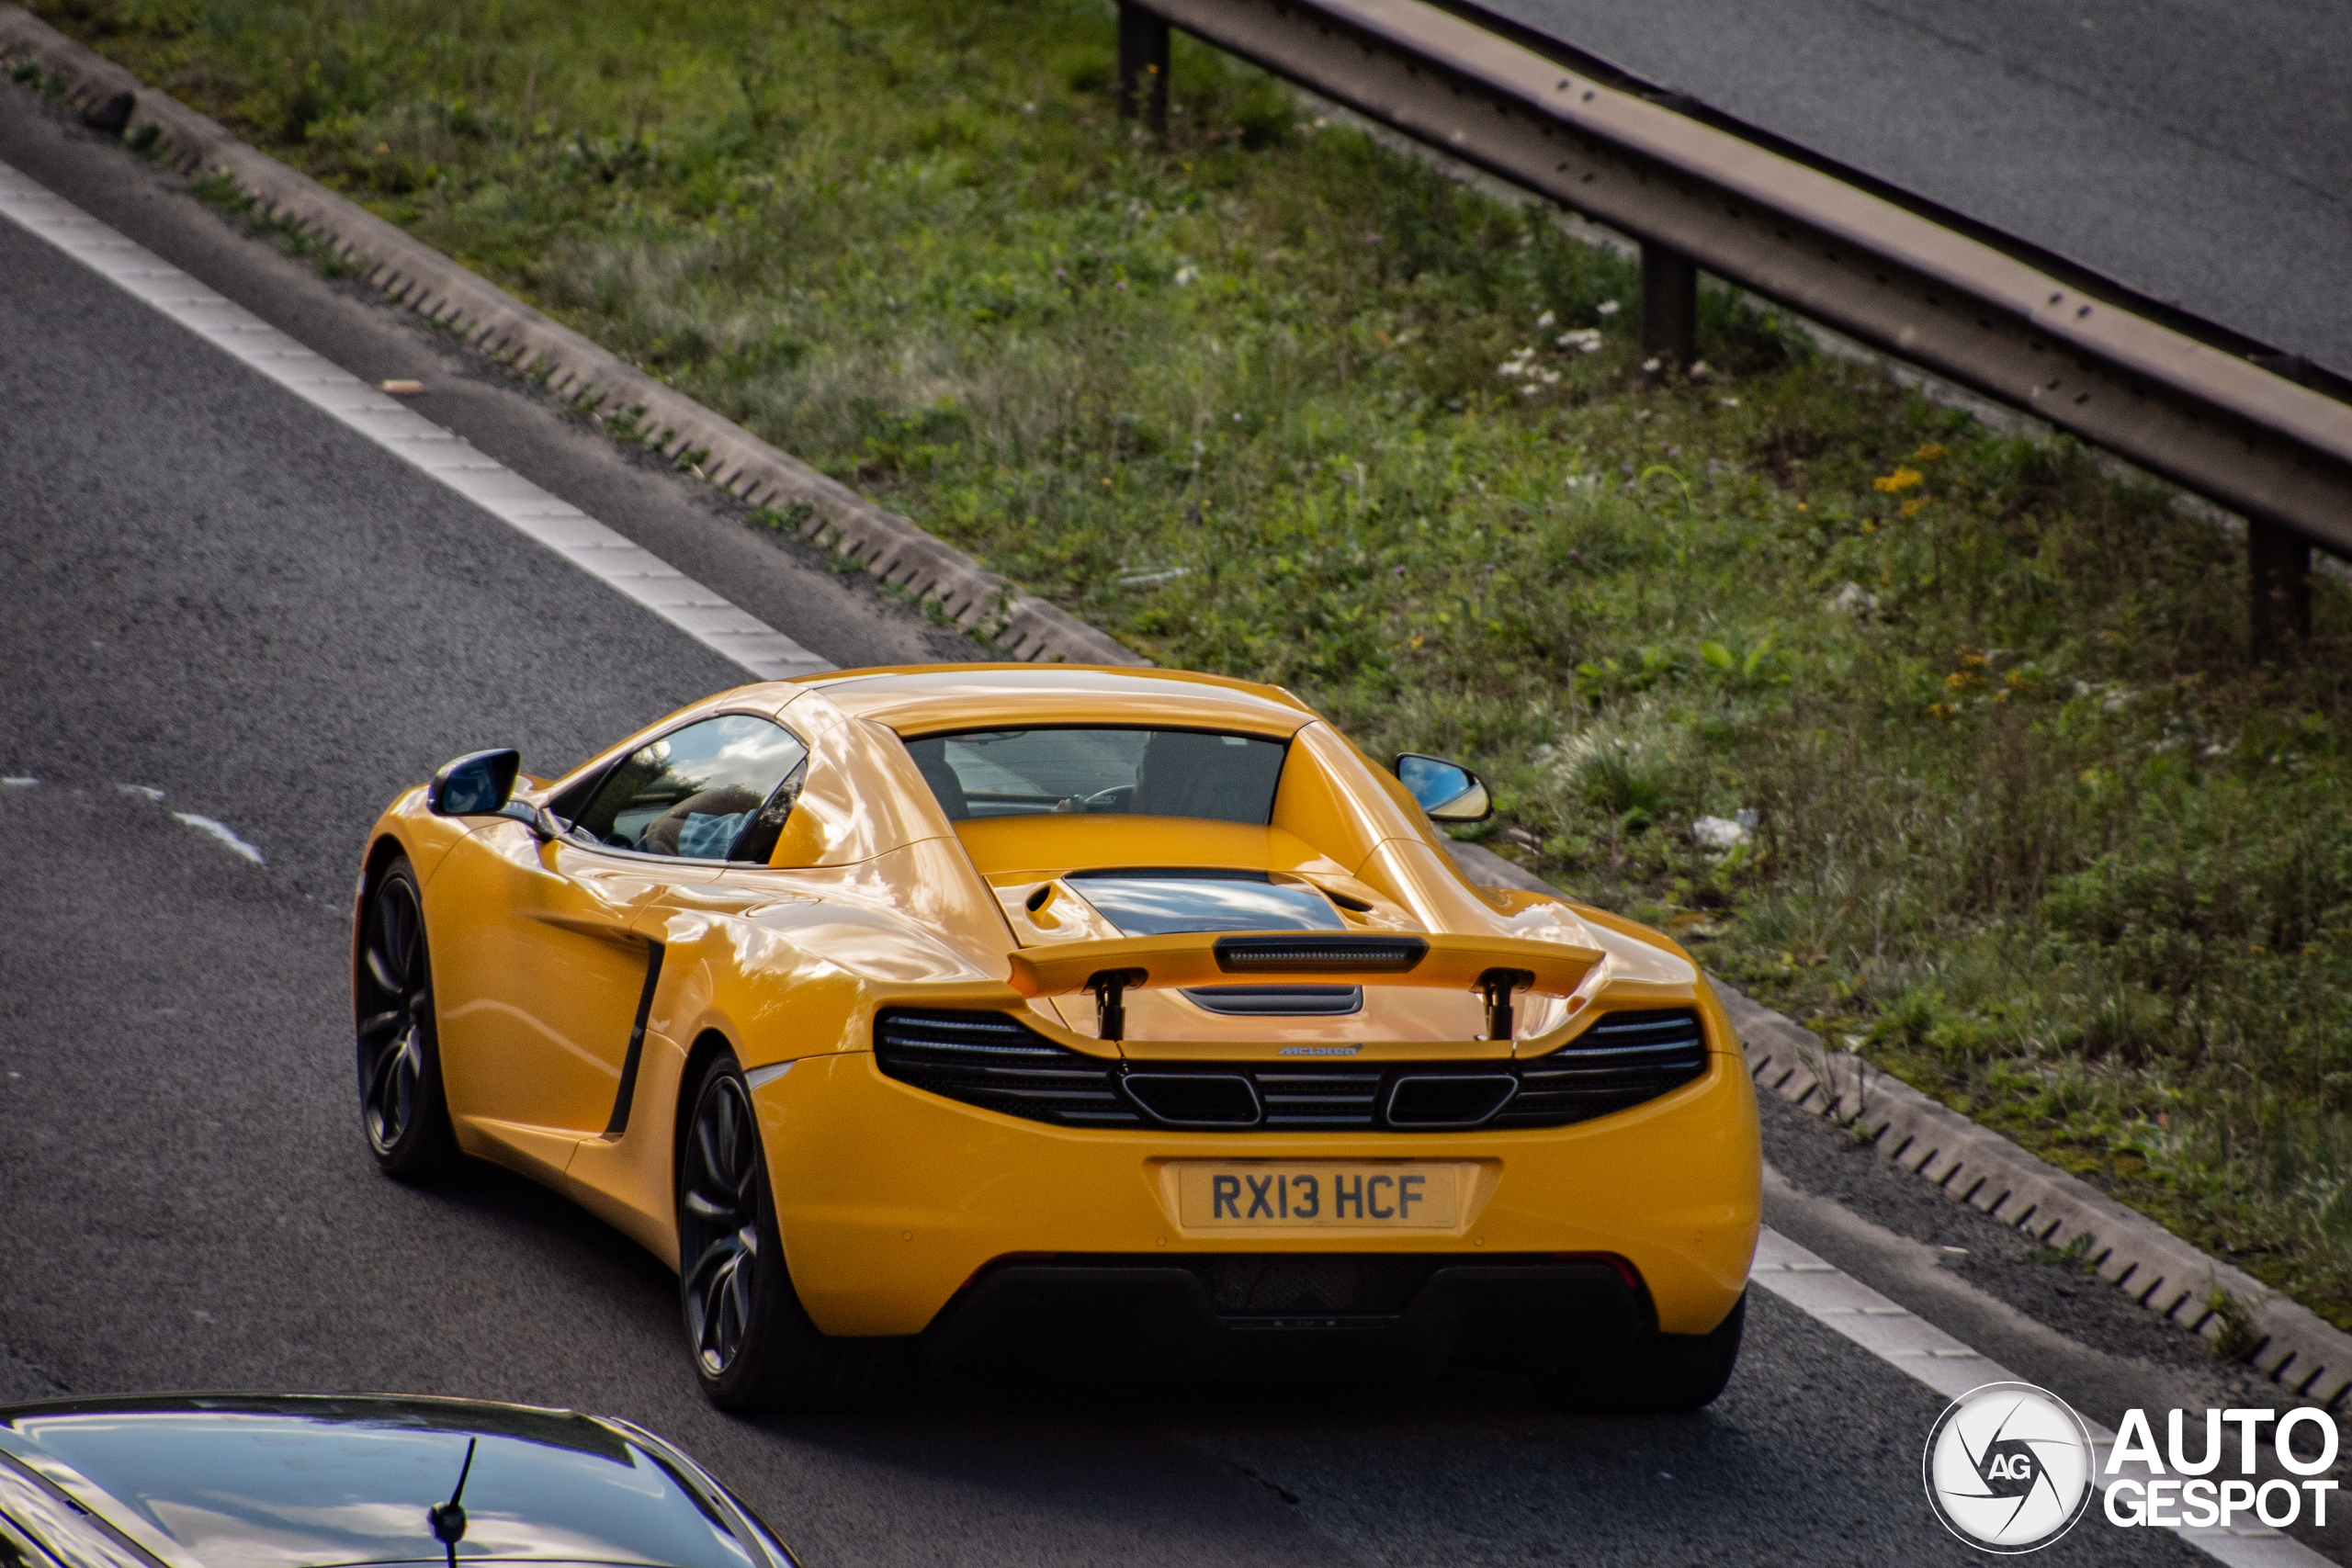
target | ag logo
x=2008, y=1468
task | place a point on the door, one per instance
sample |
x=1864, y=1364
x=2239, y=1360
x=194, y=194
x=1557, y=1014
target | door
x=542, y=1014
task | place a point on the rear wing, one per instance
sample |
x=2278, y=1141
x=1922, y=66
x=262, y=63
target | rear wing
x=1494, y=965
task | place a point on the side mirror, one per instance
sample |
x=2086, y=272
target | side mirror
x=477, y=785
x=1447, y=790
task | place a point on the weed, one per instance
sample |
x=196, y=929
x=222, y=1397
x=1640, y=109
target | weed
x=2074, y=1255
x=793, y=518
x=2236, y=1336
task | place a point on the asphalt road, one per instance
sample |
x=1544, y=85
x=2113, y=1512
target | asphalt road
x=2198, y=150
x=212, y=590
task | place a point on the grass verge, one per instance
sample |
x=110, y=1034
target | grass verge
x=1938, y=740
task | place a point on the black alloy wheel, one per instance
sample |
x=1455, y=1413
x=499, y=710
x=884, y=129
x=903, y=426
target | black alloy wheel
x=754, y=1346
x=718, y=1230
x=401, y=1101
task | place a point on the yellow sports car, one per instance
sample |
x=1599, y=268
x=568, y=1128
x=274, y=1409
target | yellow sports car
x=1126, y=1020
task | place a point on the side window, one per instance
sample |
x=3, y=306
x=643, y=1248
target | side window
x=717, y=790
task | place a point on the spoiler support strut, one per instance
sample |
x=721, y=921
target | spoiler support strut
x=1110, y=1008
x=1496, y=986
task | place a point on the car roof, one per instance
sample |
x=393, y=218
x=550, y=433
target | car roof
x=927, y=699
x=311, y=1481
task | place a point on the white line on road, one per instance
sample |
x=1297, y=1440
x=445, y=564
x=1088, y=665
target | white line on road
x=1901, y=1338
x=701, y=614
x=221, y=832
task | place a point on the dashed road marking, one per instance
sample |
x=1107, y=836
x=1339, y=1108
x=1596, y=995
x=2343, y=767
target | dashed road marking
x=213, y=826
x=705, y=615
x=221, y=832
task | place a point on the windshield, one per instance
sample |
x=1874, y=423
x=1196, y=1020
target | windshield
x=257, y=1490
x=1139, y=773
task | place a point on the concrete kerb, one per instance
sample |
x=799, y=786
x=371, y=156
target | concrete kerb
x=2294, y=1347
x=720, y=451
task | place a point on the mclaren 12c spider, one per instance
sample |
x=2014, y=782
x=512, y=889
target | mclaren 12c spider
x=1124, y=1020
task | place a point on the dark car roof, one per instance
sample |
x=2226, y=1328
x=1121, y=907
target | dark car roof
x=321, y=1482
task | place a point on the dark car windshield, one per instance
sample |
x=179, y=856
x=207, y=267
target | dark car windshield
x=1126, y=771
x=254, y=1490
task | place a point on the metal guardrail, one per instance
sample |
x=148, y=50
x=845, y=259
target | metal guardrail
x=1985, y=317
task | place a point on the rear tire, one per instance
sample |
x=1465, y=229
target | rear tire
x=753, y=1345
x=401, y=1106
x=1663, y=1374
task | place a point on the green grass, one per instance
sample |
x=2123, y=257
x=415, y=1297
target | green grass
x=1277, y=403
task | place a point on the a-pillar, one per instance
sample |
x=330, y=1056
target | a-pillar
x=1143, y=67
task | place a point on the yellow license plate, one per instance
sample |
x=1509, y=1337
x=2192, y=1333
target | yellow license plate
x=1340, y=1195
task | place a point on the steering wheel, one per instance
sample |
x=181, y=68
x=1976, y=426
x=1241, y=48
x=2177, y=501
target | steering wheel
x=1115, y=798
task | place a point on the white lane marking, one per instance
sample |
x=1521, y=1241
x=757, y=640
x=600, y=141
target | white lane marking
x=705, y=615
x=1901, y=1338
x=19, y=781
x=144, y=791
x=221, y=832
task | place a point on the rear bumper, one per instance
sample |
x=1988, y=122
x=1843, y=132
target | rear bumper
x=1255, y=1316
x=892, y=1201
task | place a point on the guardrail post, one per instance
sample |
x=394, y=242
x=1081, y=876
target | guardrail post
x=1670, y=307
x=2279, y=568
x=1143, y=67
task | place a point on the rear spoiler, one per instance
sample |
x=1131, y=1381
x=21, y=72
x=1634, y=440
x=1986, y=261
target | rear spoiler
x=1493, y=966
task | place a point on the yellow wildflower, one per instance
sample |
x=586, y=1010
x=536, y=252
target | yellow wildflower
x=1903, y=479
x=1911, y=507
x=1931, y=452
